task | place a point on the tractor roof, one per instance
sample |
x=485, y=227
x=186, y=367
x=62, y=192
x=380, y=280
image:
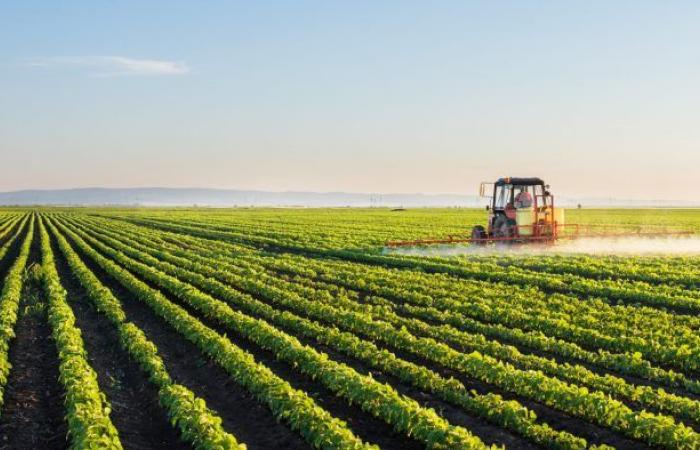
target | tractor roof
x=520, y=181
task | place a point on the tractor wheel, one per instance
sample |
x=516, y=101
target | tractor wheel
x=503, y=227
x=478, y=232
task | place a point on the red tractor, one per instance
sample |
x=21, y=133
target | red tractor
x=520, y=209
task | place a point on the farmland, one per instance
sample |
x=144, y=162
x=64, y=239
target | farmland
x=293, y=328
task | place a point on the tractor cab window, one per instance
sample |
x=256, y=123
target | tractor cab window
x=504, y=196
x=524, y=196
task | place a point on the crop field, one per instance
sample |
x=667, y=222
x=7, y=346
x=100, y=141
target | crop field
x=294, y=328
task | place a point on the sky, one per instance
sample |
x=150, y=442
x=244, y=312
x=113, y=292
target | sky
x=601, y=99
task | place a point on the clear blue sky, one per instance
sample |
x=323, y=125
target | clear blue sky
x=599, y=98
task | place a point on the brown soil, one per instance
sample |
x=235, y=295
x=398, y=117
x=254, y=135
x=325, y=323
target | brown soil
x=250, y=421
x=32, y=416
x=136, y=413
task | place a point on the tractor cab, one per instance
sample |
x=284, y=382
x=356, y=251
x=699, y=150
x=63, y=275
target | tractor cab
x=518, y=208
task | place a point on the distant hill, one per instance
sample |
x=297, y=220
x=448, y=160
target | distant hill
x=231, y=197
x=224, y=197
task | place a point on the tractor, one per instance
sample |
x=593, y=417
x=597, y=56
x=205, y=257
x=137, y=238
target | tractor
x=520, y=209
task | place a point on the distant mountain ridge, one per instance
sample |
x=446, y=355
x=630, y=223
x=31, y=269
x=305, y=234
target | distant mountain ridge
x=223, y=197
x=157, y=196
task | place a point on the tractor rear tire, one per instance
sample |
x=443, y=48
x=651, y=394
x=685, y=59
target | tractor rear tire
x=478, y=232
x=503, y=227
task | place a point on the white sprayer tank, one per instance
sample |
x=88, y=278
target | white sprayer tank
x=525, y=218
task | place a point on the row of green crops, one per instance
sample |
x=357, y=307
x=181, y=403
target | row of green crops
x=590, y=405
x=87, y=409
x=558, y=352
x=601, y=268
x=271, y=288
x=367, y=228
x=478, y=307
x=509, y=414
x=9, y=305
x=610, y=290
x=381, y=400
x=292, y=406
x=663, y=338
x=197, y=423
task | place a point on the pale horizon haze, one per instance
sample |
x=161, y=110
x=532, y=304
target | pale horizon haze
x=601, y=99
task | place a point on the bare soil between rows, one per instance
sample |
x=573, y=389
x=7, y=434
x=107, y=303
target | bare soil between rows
x=136, y=413
x=250, y=421
x=32, y=416
x=363, y=424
